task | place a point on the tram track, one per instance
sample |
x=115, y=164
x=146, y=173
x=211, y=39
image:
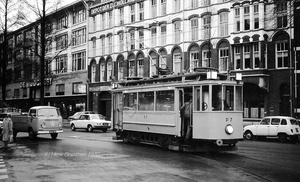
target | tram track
x=262, y=169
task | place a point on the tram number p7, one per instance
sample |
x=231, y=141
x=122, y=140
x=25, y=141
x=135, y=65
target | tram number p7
x=228, y=119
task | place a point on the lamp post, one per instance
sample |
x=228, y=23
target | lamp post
x=87, y=4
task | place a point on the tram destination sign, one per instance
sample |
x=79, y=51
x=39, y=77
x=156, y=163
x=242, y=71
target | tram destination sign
x=109, y=5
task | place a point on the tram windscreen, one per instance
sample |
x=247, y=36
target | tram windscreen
x=239, y=98
x=228, y=98
x=165, y=100
x=216, y=97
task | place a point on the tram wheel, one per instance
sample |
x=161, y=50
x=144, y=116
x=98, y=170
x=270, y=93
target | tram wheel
x=248, y=135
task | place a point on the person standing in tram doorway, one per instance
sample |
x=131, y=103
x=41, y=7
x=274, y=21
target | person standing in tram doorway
x=186, y=114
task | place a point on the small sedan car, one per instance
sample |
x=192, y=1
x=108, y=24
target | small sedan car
x=77, y=115
x=90, y=122
x=281, y=127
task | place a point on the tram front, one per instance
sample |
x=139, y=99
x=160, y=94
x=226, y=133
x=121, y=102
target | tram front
x=217, y=114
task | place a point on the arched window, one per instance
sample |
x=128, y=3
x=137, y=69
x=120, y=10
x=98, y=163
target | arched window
x=194, y=57
x=121, y=66
x=93, y=72
x=223, y=57
x=108, y=69
x=131, y=66
x=102, y=70
x=177, y=64
x=140, y=65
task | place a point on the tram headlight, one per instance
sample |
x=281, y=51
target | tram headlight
x=229, y=129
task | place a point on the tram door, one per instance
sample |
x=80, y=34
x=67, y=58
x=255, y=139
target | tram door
x=181, y=102
x=185, y=95
x=117, y=110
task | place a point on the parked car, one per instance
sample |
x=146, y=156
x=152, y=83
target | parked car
x=281, y=127
x=90, y=122
x=77, y=115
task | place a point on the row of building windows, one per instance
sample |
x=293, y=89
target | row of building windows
x=245, y=56
x=78, y=38
x=137, y=11
x=59, y=90
x=78, y=16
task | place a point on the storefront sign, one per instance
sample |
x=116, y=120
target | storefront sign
x=35, y=83
x=100, y=88
x=109, y=6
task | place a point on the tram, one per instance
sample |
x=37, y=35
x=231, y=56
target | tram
x=150, y=111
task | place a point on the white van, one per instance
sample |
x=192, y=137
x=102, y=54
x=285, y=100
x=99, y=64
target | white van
x=39, y=120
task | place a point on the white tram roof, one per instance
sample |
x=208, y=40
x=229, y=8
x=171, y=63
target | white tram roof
x=187, y=79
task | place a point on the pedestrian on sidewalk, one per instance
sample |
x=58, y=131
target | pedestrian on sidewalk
x=7, y=130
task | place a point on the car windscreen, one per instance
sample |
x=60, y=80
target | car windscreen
x=293, y=122
x=48, y=112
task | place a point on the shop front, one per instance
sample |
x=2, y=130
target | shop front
x=100, y=99
x=68, y=105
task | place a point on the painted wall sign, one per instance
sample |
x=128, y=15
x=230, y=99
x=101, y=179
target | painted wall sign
x=35, y=83
x=109, y=6
x=100, y=88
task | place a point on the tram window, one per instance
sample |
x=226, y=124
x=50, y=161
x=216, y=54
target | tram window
x=216, y=97
x=238, y=97
x=146, y=101
x=165, y=100
x=229, y=98
x=205, y=98
x=130, y=101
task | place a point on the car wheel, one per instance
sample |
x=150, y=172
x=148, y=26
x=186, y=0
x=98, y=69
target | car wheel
x=31, y=134
x=248, y=135
x=104, y=130
x=90, y=128
x=282, y=137
x=73, y=128
x=54, y=135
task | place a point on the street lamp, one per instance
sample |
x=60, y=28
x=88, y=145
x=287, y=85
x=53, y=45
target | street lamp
x=87, y=4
